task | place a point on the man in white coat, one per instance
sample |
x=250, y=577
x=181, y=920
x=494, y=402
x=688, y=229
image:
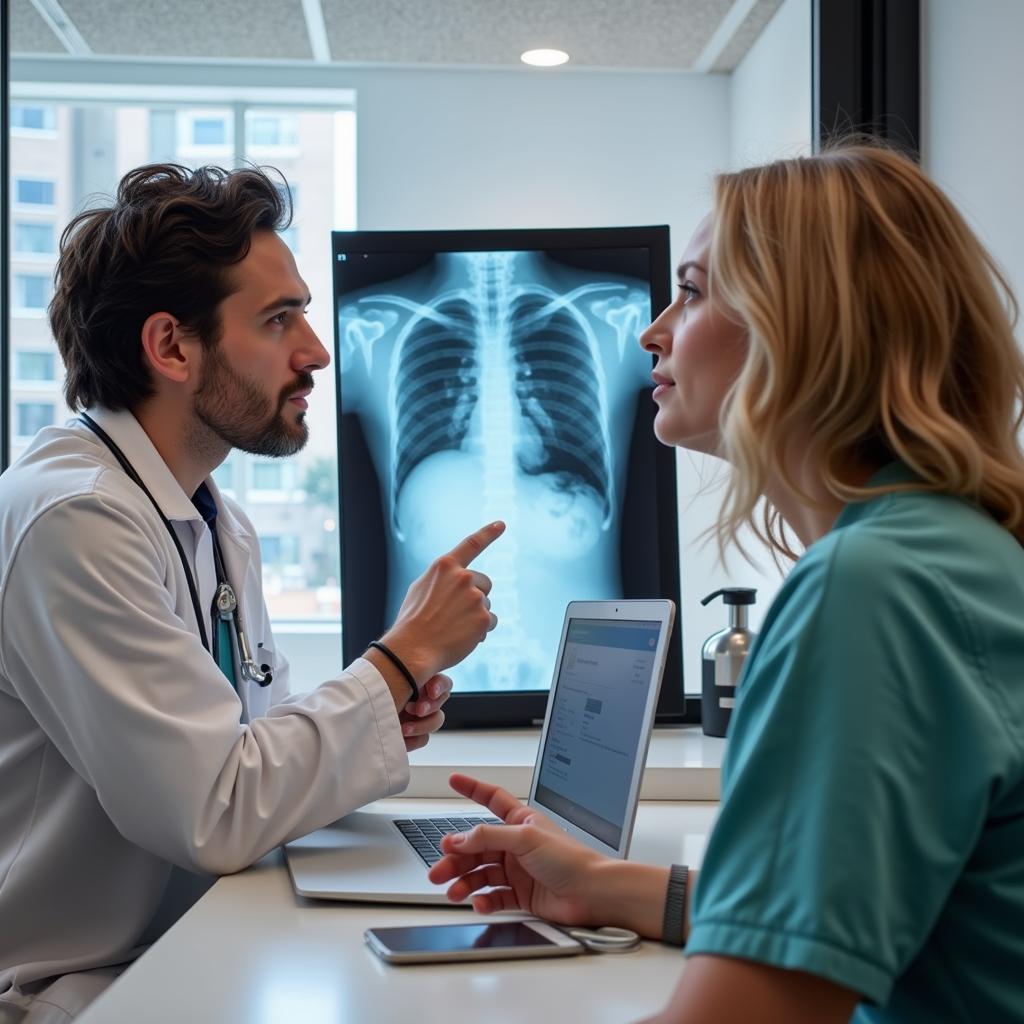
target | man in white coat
x=148, y=738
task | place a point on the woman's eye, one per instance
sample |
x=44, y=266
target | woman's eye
x=688, y=291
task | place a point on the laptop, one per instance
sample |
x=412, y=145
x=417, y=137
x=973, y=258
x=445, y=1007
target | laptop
x=590, y=761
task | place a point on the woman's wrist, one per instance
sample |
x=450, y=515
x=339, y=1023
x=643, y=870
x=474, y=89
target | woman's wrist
x=629, y=895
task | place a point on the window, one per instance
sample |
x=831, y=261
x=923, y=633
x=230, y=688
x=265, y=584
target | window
x=33, y=192
x=33, y=119
x=129, y=130
x=267, y=476
x=278, y=550
x=33, y=416
x=290, y=194
x=35, y=366
x=290, y=237
x=36, y=239
x=31, y=292
x=209, y=131
x=278, y=131
x=224, y=475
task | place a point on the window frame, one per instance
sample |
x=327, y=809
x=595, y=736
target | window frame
x=158, y=85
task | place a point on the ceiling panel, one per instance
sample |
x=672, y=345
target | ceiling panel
x=639, y=34
x=596, y=33
x=29, y=33
x=193, y=28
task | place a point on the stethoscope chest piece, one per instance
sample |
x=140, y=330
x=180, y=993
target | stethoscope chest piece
x=225, y=600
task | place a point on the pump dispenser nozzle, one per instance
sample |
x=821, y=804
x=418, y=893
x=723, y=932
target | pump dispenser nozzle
x=722, y=659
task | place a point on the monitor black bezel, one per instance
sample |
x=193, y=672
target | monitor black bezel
x=489, y=710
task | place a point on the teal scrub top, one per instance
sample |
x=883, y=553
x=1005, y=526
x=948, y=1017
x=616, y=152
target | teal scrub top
x=871, y=829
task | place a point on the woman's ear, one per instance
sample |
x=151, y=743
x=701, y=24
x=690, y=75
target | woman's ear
x=171, y=352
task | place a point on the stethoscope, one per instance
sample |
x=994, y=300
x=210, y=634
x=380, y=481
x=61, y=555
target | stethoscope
x=225, y=601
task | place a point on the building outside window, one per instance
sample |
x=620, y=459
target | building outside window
x=35, y=366
x=33, y=192
x=31, y=293
x=35, y=239
x=271, y=131
x=33, y=118
x=224, y=476
x=209, y=131
x=267, y=476
x=70, y=153
x=31, y=417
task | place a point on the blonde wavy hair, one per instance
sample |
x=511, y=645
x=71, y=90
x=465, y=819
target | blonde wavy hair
x=879, y=328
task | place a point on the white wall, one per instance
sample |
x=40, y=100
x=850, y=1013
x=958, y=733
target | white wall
x=476, y=149
x=972, y=94
x=770, y=94
x=770, y=118
x=473, y=149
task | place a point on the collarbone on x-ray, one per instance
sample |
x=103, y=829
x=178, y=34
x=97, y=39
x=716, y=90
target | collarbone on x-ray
x=501, y=385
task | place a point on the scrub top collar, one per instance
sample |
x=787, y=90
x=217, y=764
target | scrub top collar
x=128, y=435
x=895, y=472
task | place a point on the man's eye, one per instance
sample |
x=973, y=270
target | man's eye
x=279, y=319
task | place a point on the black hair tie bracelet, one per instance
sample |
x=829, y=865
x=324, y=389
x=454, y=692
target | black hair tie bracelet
x=400, y=665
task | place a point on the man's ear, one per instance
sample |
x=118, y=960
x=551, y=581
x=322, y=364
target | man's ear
x=171, y=352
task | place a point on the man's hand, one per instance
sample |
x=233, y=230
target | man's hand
x=424, y=717
x=446, y=612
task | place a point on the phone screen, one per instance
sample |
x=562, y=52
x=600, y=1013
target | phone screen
x=450, y=938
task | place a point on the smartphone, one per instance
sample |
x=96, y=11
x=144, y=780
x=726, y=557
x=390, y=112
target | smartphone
x=502, y=940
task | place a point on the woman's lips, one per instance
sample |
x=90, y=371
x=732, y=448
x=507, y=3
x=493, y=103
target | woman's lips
x=662, y=384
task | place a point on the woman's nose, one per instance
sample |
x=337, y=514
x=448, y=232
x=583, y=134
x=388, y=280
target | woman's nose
x=658, y=336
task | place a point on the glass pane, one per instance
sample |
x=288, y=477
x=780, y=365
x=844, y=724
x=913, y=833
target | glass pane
x=264, y=130
x=33, y=416
x=38, y=366
x=36, y=118
x=65, y=155
x=267, y=476
x=31, y=292
x=209, y=131
x=34, y=238
x=33, y=192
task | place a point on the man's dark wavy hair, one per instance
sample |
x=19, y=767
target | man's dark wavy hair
x=167, y=243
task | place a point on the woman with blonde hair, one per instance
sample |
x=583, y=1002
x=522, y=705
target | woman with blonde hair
x=842, y=338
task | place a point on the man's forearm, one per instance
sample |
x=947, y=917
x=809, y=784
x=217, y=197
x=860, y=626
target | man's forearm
x=394, y=679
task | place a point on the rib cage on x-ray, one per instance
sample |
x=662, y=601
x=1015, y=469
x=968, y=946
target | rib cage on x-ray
x=507, y=369
x=490, y=344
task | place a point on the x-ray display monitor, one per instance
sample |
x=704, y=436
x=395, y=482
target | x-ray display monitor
x=489, y=376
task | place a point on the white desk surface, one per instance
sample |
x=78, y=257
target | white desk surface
x=682, y=763
x=252, y=952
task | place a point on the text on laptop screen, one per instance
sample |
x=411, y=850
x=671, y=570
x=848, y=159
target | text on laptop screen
x=596, y=723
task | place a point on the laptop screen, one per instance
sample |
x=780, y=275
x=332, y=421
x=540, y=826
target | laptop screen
x=596, y=727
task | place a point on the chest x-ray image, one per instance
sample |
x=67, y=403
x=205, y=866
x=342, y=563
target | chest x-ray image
x=481, y=385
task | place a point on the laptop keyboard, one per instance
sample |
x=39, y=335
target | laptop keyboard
x=424, y=834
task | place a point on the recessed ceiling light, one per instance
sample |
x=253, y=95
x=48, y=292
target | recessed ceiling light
x=544, y=58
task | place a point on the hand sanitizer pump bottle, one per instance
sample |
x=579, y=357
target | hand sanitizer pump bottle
x=722, y=659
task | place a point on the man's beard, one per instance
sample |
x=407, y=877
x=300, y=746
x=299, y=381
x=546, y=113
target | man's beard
x=238, y=412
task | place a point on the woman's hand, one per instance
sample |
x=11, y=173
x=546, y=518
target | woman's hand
x=527, y=864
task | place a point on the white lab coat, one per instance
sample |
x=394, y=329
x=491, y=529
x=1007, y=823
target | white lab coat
x=123, y=749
